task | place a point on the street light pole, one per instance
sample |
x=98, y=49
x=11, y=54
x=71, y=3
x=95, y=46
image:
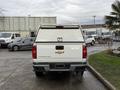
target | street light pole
x=94, y=17
x=94, y=20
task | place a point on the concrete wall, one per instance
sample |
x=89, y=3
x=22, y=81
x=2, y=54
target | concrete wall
x=24, y=24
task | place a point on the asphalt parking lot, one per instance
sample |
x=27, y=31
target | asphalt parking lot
x=16, y=74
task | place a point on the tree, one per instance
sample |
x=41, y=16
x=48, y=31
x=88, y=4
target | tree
x=113, y=20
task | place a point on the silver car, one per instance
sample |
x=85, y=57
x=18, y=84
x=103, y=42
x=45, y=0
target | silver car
x=21, y=44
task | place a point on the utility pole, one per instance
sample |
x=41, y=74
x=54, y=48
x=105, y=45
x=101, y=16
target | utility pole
x=94, y=18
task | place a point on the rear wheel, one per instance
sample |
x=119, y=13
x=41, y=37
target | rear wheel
x=15, y=48
x=39, y=74
x=79, y=75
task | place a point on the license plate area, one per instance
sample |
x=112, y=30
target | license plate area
x=59, y=66
x=59, y=47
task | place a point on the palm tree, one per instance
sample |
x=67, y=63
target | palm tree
x=113, y=20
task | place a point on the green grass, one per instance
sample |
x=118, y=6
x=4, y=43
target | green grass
x=108, y=66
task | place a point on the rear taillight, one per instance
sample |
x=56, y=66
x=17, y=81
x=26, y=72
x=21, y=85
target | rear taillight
x=84, y=51
x=34, y=52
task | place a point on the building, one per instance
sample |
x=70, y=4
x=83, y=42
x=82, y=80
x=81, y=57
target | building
x=27, y=26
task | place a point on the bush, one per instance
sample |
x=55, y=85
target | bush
x=114, y=52
x=110, y=51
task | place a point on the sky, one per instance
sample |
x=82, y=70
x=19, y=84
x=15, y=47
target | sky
x=66, y=11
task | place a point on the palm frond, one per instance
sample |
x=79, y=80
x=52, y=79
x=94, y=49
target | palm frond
x=113, y=21
x=115, y=8
x=110, y=18
x=113, y=13
x=118, y=4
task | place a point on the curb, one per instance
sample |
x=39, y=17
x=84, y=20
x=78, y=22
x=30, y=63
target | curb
x=101, y=78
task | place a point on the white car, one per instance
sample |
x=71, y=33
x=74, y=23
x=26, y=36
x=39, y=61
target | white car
x=7, y=37
x=89, y=40
x=59, y=48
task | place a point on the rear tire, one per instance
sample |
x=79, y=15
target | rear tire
x=15, y=48
x=39, y=74
x=79, y=75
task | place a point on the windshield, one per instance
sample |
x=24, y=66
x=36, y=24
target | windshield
x=5, y=35
x=58, y=35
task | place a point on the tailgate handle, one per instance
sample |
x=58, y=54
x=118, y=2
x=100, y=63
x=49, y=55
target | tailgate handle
x=59, y=47
x=59, y=39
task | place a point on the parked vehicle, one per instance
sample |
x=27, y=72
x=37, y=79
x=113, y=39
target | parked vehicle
x=116, y=38
x=89, y=40
x=106, y=35
x=7, y=37
x=21, y=44
x=59, y=48
x=91, y=32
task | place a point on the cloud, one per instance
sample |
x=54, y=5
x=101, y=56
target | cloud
x=67, y=11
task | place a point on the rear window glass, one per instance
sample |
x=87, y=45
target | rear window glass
x=59, y=35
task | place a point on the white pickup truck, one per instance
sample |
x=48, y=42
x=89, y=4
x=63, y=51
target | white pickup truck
x=59, y=48
x=89, y=40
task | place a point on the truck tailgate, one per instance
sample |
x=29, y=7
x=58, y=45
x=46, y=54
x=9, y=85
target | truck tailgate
x=59, y=52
